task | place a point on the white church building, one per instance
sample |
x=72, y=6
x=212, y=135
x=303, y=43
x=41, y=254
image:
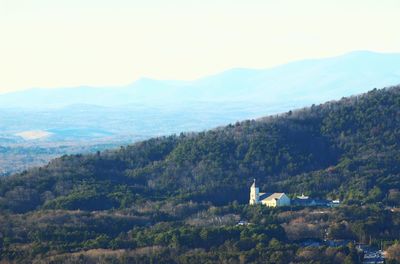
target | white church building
x=267, y=199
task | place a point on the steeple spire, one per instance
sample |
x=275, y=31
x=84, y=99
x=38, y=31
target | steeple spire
x=254, y=184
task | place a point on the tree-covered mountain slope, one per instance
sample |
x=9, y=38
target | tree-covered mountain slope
x=347, y=149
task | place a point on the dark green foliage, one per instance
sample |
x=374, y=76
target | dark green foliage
x=102, y=237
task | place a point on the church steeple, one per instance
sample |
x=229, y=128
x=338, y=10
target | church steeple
x=254, y=193
x=254, y=184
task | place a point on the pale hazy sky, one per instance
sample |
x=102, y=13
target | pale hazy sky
x=55, y=43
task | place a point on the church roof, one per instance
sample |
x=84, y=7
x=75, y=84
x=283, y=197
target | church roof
x=264, y=196
x=273, y=196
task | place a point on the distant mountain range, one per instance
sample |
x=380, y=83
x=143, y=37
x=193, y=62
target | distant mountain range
x=298, y=83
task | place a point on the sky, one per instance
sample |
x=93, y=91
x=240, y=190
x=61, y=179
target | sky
x=65, y=43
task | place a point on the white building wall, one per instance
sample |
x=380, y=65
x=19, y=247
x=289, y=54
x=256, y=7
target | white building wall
x=254, y=195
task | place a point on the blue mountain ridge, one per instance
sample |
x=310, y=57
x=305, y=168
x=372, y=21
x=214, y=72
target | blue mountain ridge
x=302, y=82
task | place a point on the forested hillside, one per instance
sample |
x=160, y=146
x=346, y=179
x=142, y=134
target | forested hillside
x=158, y=192
x=347, y=149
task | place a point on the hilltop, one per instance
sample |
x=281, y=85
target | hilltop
x=86, y=119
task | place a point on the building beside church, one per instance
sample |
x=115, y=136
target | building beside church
x=304, y=200
x=308, y=201
x=267, y=199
